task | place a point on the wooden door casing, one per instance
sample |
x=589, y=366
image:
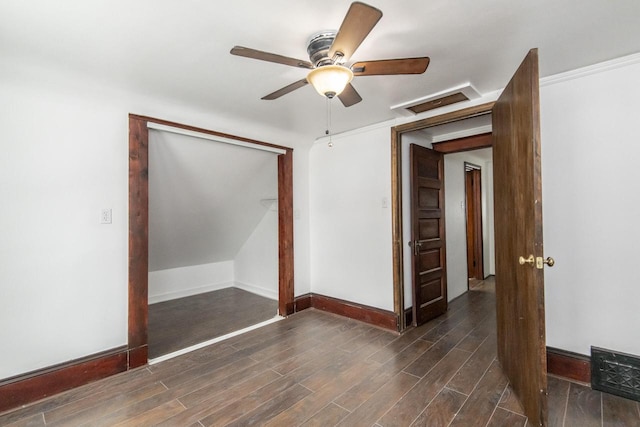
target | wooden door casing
x=473, y=195
x=518, y=232
x=428, y=259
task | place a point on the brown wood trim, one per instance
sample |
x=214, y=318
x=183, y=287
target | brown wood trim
x=569, y=365
x=285, y=233
x=139, y=222
x=374, y=316
x=474, y=142
x=302, y=302
x=353, y=310
x=138, y=231
x=396, y=226
x=138, y=356
x=454, y=116
x=473, y=196
x=207, y=131
x=36, y=385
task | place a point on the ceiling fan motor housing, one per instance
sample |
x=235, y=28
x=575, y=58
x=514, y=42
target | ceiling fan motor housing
x=318, y=47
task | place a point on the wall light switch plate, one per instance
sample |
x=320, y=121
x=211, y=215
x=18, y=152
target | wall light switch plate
x=105, y=216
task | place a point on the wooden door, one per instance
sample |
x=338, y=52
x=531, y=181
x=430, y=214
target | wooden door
x=518, y=218
x=427, y=234
x=473, y=196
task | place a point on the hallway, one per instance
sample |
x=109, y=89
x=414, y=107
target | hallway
x=317, y=369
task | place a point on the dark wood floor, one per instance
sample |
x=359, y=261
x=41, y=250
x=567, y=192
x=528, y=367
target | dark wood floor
x=180, y=323
x=316, y=369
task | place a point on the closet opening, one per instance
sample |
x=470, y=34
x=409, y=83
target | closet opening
x=211, y=230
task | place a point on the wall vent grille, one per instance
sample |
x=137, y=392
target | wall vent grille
x=615, y=373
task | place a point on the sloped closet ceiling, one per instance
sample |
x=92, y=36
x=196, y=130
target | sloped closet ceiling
x=204, y=198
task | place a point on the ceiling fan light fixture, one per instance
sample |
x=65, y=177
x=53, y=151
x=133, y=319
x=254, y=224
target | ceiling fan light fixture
x=330, y=80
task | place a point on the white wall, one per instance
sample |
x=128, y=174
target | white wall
x=591, y=207
x=456, y=219
x=64, y=144
x=255, y=267
x=204, y=198
x=488, y=225
x=455, y=225
x=301, y=221
x=181, y=282
x=350, y=218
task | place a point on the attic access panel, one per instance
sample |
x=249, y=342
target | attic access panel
x=449, y=96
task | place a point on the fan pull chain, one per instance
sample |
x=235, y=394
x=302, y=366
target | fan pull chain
x=328, y=131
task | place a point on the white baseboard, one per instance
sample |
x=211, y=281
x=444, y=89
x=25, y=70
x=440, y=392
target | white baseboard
x=263, y=292
x=188, y=292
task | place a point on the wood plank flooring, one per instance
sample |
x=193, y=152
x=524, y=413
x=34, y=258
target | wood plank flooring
x=183, y=322
x=317, y=369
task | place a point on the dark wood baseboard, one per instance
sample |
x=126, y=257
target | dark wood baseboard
x=138, y=356
x=36, y=385
x=569, y=365
x=302, y=302
x=374, y=316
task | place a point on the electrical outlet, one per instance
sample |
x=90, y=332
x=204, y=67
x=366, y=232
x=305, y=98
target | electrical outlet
x=105, y=216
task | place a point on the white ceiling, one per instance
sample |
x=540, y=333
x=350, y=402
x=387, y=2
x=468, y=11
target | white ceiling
x=204, y=198
x=179, y=50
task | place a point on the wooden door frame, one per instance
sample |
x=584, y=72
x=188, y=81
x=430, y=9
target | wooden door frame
x=139, y=225
x=476, y=206
x=396, y=189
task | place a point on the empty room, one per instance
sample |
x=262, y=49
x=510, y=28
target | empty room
x=257, y=213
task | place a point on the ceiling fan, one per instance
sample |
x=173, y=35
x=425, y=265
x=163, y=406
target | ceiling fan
x=328, y=53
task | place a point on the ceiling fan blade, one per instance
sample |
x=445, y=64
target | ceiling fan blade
x=390, y=66
x=285, y=90
x=271, y=57
x=349, y=96
x=357, y=24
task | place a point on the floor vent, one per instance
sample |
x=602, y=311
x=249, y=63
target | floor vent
x=615, y=373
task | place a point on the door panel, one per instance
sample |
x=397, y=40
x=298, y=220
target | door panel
x=428, y=198
x=431, y=290
x=473, y=196
x=430, y=259
x=427, y=234
x=518, y=218
x=428, y=228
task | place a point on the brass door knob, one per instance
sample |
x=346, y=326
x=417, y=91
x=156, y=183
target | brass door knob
x=530, y=260
x=550, y=261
